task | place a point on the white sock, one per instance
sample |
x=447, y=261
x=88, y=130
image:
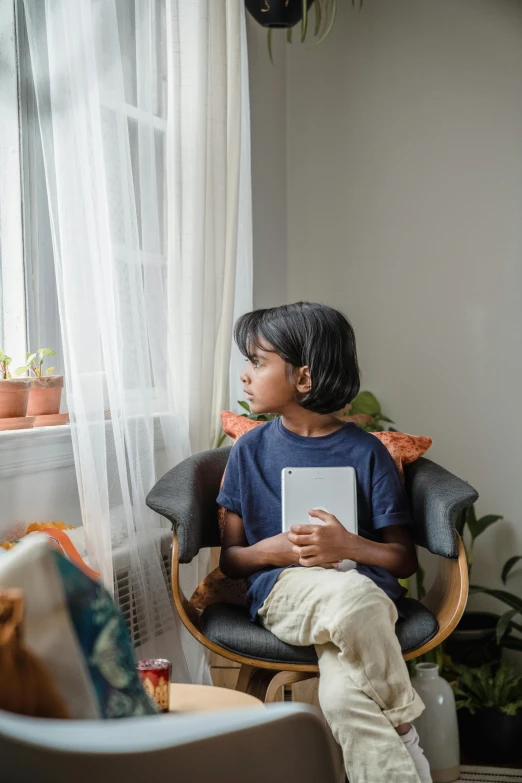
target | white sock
x=411, y=741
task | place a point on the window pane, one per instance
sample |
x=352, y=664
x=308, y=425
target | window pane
x=125, y=11
x=43, y=321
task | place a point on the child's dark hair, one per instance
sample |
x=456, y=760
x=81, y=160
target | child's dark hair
x=307, y=334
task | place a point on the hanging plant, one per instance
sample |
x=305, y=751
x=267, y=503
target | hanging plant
x=286, y=14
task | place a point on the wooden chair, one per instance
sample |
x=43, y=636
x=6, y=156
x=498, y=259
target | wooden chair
x=186, y=495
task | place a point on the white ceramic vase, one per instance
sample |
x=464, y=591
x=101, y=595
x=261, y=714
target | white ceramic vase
x=437, y=726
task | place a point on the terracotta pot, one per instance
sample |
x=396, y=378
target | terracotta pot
x=45, y=395
x=14, y=394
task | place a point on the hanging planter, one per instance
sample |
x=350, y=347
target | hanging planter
x=277, y=13
x=286, y=14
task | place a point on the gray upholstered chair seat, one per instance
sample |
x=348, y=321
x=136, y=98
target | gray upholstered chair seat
x=230, y=627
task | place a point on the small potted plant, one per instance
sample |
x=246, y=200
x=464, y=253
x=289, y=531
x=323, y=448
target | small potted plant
x=46, y=388
x=14, y=395
x=489, y=710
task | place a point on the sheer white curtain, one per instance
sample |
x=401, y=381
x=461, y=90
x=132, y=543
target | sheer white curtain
x=143, y=112
x=208, y=158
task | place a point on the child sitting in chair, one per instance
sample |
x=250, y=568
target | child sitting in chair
x=302, y=364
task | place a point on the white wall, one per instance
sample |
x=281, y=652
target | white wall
x=404, y=205
x=268, y=123
x=37, y=479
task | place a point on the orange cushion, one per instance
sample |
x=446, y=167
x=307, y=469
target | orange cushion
x=403, y=448
x=218, y=588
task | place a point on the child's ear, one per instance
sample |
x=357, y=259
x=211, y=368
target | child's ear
x=303, y=381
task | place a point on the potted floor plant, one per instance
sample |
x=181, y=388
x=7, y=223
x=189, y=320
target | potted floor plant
x=46, y=389
x=508, y=626
x=489, y=711
x=474, y=640
x=14, y=395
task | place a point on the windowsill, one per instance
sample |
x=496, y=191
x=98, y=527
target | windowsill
x=42, y=448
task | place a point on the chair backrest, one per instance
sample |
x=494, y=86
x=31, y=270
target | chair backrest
x=233, y=746
x=435, y=496
x=186, y=495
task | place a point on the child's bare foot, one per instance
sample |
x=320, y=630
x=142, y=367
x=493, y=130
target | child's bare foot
x=402, y=728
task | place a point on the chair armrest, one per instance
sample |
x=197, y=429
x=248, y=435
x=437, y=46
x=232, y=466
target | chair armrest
x=435, y=496
x=186, y=496
x=446, y=599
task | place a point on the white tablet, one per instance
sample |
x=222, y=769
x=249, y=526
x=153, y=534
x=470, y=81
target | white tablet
x=333, y=490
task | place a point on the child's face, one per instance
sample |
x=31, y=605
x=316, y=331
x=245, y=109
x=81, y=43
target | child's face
x=268, y=384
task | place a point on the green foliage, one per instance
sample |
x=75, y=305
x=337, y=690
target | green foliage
x=508, y=630
x=5, y=361
x=467, y=520
x=367, y=404
x=488, y=688
x=508, y=565
x=34, y=363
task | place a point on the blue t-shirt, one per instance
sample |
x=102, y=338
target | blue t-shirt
x=252, y=489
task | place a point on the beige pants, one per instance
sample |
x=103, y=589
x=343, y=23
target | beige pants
x=364, y=687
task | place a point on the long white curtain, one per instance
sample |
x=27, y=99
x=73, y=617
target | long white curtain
x=143, y=112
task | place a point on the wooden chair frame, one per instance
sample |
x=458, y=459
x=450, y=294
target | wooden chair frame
x=446, y=600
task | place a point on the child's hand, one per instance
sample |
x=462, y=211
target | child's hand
x=323, y=545
x=279, y=550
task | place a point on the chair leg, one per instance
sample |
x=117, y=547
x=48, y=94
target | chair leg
x=285, y=678
x=245, y=675
x=265, y=683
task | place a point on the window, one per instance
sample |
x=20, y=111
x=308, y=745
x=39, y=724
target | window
x=12, y=306
x=29, y=308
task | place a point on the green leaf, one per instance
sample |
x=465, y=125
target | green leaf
x=330, y=24
x=501, y=595
x=269, y=44
x=49, y=371
x=222, y=439
x=318, y=17
x=304, y=20
x=385, y=418
x=289, y=34
x=21, y=370
x=46, y=351
x=30, y=358
x=511, y=643
x=244, y=405
x=365, y=402
x=508, y=565
x=478, y=526
x=504, y=623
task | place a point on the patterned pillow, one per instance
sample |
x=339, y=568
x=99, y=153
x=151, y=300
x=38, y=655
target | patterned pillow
x=218, y=588
x=78, y=633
